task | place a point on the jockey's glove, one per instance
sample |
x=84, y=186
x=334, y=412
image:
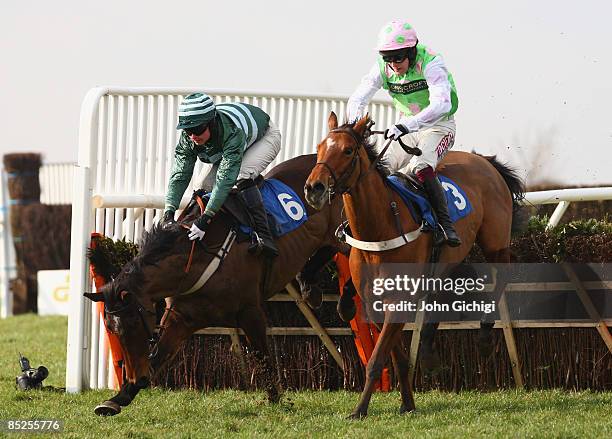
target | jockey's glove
x=396, y=131
x=168, y=216
x=199, y=226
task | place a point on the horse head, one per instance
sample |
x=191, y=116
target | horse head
x=132, y=320
x=341, y=157
x=159, y=270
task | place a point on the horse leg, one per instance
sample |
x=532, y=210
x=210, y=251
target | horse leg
x=174, y=334
x=175, y=331
x=126, y=395
x=252, y=320
x=311, y=293
x=429, y=357
x=485, y=333
x=386, y=339
x=346, y=303
x=401, y=364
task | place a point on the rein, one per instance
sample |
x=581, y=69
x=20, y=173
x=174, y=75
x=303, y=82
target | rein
x=193, y=243
x=341, y=232
x=359, y=141
x=349, y=171
x=151, y=335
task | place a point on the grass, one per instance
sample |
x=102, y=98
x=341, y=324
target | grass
x=186, y=413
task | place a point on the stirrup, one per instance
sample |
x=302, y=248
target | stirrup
x=439, y=236
x=256, y=244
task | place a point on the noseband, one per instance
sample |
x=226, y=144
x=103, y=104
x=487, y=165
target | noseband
x=151, y=336
x=355, y=157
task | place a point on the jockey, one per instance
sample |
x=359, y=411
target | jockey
x=424, y=92
x=240, y=141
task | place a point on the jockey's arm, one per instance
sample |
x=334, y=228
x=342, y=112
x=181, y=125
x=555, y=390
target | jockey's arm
x=227, y=172
x=359, y=100
x=180, y=176
x=440, y=104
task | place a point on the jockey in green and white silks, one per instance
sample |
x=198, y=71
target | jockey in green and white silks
x=240, y=141
x=424, y=92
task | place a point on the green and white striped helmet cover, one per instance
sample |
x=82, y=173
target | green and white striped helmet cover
x=196, y=109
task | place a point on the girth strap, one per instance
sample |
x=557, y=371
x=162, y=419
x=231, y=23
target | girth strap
x=377, y=246
x=214, y=264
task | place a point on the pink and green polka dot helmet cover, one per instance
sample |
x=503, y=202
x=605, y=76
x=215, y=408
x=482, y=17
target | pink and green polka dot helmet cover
x=397, y=34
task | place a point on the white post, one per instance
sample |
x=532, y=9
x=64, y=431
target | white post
x=77, y=371
x=6, y=263
x=557, y=214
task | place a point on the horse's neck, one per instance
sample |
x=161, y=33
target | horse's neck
x=368, y=210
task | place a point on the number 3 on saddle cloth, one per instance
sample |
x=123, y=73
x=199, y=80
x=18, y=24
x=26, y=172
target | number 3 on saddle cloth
x=459, y=205
x=285, y=209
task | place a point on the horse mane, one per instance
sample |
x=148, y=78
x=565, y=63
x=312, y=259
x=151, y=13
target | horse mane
x=154, y=246
x=369, y=143
x=157, y=242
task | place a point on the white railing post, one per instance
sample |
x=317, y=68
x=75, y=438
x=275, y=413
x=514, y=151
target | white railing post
x=6, y=262
x=79, y=330
x=557, y=214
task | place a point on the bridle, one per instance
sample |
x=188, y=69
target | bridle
x=152, y=336
x=355, y=158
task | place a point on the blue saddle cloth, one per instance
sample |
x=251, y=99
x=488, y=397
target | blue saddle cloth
x=459, y=205
x=286, y=211
x=284, y=205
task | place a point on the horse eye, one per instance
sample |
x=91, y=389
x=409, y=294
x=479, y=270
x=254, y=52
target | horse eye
x=348, y=151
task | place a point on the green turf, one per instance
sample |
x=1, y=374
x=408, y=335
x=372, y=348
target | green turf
x=160, y=413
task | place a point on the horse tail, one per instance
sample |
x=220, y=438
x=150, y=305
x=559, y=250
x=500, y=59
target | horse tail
x=516, y=185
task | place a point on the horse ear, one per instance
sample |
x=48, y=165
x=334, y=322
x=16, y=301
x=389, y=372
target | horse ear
x=361, y=125
x=95, y=297
x=332, y=122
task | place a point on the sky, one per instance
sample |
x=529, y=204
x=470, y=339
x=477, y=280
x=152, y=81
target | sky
x=533, y=77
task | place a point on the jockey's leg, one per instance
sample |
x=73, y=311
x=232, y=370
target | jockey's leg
x=264, y=241
x=434, y=143
x=437, y=196
x=255, y=160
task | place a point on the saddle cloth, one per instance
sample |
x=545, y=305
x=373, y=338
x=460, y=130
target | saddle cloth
x=285, y=209
x=459, y=205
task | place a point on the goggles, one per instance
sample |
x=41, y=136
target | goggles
x=396, y=58
x=197, y=130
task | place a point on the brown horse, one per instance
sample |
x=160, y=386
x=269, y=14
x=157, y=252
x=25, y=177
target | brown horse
x=232, y=297
x=343, y=167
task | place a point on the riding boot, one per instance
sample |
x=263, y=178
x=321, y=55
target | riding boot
x=437, y=197
x=263, y=238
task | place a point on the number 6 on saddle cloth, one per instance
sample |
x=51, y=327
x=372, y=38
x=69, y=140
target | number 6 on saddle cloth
x=285, y=209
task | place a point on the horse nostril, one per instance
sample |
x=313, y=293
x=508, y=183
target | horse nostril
x=318, y=188
x=307, y=188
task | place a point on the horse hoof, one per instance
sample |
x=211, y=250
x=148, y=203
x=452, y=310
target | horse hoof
x=313, y=296
x=407, y=409
x=347, y=314
x=356, y=416
x=107, y=408
x=274, y=398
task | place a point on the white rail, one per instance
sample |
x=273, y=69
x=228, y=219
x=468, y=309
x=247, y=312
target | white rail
x=563, y=198
x=126, y=140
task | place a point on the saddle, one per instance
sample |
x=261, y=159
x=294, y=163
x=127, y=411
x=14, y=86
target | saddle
x=235, y=208
x=279, y=200
x=412, y=183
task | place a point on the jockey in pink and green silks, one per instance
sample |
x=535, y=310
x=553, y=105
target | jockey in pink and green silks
x=424, y=92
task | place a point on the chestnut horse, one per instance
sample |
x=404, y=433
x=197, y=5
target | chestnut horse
x=343, y=166
x=232, y=297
